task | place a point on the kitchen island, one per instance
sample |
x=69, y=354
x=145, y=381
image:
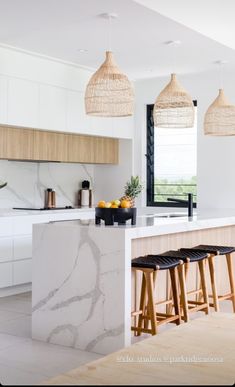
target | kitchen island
x=82, y=288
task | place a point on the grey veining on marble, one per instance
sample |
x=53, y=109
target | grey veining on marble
x=27, y=182
x=81, y=303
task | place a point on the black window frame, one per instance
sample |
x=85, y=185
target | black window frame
x=150, y=163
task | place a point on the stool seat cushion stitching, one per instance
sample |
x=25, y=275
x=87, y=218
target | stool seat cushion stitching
x=186, y=255
x=211, y=249
x=155, y=262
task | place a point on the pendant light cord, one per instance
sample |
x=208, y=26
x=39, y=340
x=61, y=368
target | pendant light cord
x=221, y=76
x=109, y=33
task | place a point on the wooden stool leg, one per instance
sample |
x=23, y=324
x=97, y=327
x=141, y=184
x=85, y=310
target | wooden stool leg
x=142, y=304
x=213, y=283
x=204, y=287
x=175, y=293
x=183, y=292
x=231, y=278
x=151, y=302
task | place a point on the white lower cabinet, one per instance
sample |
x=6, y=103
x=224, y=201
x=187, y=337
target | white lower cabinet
x=6, y=249
x=16, y=244
x=6, y=274
x=22, y=247
x=22, y=272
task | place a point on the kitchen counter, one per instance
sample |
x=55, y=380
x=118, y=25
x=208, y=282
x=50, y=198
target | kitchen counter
x=9, y=212
x=85, y=300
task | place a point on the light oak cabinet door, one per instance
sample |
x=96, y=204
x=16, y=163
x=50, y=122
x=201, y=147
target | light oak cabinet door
x=50, y=146
x=39, y=145
x=16, y=143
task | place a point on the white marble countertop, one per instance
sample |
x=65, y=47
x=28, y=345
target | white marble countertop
x=9, y=212
x=155, y=224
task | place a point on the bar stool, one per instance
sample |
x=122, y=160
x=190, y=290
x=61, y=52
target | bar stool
x=216, y=251
x=149, y=266
x=189, y=256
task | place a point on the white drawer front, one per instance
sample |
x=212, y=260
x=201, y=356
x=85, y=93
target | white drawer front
x=23, y=224
x=22, y=247
x=6, y=249
x=22, y=272
x=5, y=274
x=6, y=227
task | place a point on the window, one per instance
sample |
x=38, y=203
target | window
x=171, y=163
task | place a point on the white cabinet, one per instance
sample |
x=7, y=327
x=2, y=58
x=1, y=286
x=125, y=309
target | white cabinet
x=5, y=274
x=22, y=247
x=53, y=108
x=23, y=103
x=3, y=99
x=6, y=249
x=78, y=121
x=22, y=272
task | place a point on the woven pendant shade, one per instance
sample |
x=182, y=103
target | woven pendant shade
x=173, y=107
x=109, y=93
x=220, y=117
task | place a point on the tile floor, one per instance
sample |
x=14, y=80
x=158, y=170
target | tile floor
x=24, y=361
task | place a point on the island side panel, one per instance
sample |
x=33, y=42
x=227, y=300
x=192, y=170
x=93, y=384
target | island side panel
x=81, y=275
x=159, y=244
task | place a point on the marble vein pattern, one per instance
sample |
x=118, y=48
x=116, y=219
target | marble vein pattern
x=81, y=301
x=27, y=182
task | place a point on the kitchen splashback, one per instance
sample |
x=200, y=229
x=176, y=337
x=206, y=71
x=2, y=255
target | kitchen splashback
x=28, y=181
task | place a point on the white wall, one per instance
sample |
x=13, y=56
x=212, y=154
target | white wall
x=216, y=155
x=111, y=179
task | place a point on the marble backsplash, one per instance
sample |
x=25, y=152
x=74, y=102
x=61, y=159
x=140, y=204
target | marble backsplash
x=27, y=182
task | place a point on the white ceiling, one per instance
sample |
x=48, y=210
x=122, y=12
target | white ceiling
x=58, y=28
x=212, y=18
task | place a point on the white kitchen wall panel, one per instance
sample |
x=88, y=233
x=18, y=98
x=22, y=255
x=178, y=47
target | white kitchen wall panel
x=23, y=103
x=3, y=99
x=53, y=108
x=6, y=249
x=22, y=272
x=5, y=274
x=77, y=120
x=6, y=227
x=22, y=246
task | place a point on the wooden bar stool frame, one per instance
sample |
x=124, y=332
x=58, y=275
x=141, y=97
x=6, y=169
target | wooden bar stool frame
x=147, y=308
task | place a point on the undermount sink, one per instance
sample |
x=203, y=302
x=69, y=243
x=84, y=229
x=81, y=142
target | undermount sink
x=169, y=215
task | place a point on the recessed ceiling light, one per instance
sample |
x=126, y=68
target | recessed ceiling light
x=82, y=50
x=173, y=43
x=108, y=15
x=221, y=62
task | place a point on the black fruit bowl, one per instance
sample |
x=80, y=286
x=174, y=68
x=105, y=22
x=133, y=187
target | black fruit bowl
x=112, y=215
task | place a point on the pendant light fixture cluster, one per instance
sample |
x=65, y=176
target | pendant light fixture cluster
x=109, y=92
x=220, y=117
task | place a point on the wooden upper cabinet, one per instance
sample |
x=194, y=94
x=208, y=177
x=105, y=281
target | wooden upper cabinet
x=39, y=145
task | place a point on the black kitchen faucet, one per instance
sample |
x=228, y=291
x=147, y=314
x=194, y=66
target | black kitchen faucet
x=189, y=202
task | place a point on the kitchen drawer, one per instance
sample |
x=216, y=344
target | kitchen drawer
x=5, y=274
x=6, y=227
x=22, y=247
x=23, y=224
x=22, y=272
x=6, y=249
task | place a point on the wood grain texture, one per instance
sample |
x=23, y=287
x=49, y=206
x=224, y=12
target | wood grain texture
x=159, y=244
x=42, y=145
x=200, y=352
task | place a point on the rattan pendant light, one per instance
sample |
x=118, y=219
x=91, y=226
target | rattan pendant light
x=219, y=119
x=109, y=92
x=173, y=107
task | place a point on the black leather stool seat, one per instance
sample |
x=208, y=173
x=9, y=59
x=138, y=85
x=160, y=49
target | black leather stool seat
x=186, y=255
x=155, y=262
x=210, y=249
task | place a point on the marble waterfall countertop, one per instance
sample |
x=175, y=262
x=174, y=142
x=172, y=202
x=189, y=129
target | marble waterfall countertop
x=10, y=212
x=81, y=287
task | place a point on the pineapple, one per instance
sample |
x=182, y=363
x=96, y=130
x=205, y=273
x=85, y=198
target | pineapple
x=132, y=190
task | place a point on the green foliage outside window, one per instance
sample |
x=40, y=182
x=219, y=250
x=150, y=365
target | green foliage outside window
x=178, y=189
